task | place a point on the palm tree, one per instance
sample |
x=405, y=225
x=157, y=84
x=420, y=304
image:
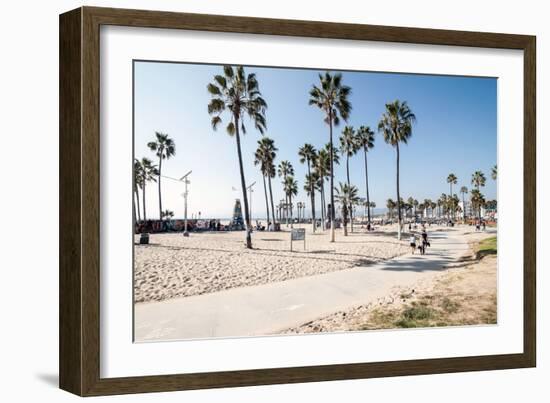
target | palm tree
x=365, y=139
x=427, y=204
x=264, y=156
x=310, y=186
x=239, y=94
x=271, y=173
x=332, y=98
x=396, y=126
x=453, y=203
x=335, y=157
x=494, y=173
x=410, y=203
x=408, y=206
x=349, y=146
x=421, y=207
x=478, y=200
x=137, y=185
x=451, y=180
x=442, y=204
x=165, y=148
x=319, y=182
x=322, y=171
x=390, y=205
x=433, y=205
x=285, y=170
x=347, y=196
x=463, y=191
x=149, y=173
x=478, y=179
x=308, y=155
x=300, y=206
x=291, y=189
x=168, y=214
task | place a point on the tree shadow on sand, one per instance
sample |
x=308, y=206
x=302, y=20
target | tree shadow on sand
x=296, y=254
x=418, y=264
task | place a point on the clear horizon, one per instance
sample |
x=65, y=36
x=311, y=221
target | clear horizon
x=456, y=132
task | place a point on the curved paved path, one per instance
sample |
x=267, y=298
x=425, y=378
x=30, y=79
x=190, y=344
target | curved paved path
x=266, y=309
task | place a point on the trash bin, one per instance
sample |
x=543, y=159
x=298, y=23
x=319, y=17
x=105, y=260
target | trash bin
x=144, y=239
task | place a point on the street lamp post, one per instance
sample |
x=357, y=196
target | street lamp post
x=250, y=190
x=185, y=180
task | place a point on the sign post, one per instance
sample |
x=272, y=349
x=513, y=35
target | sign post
x=298, y=234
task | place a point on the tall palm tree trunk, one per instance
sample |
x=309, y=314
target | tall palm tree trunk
x=350, y=212
x=367, y=185
x=323, y=205
x=243, y=185
x=286, y=203
x=143, y=195
x=266, y=203
x=451, y=211
x=290, y=206
x=271, y=198
x=135, y=213
x=345, y=217
x=137, y=203
x=287, y=206
x=332, y=215
x=398, y=198
x=463, y=208
x=312, y=195
x=160, y=195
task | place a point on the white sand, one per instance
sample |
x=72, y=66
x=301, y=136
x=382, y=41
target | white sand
x=174, y=266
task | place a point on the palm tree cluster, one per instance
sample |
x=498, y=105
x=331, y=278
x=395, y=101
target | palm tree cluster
x=396, y=126
x=164, y=147
x=331, y=97
x=238, y=94
x=450, y=204
x=235, y=96
x=265, y=157
x=145, y=171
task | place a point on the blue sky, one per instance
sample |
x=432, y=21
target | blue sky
x=456, y=131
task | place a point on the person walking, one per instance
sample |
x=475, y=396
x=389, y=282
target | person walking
x=425, y=242
x=412, y=243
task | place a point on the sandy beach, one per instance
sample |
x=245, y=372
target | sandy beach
x=173, y=266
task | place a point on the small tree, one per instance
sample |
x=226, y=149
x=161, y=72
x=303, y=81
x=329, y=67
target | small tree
x=346, y=195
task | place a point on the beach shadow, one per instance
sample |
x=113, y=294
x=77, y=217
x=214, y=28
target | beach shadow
x=394, y=242
x=297, y=254
x=419, y=264
x=49, y=379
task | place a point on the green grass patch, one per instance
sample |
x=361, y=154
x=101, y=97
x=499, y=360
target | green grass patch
x=487, y=247
x=449, y=305
x=416, y=315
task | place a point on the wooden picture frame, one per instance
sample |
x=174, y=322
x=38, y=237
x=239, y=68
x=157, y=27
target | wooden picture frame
x=79, y=346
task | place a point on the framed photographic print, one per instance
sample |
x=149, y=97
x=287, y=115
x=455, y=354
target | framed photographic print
x=249, y=201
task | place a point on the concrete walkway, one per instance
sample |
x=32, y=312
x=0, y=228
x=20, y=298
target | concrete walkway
x=266, y=309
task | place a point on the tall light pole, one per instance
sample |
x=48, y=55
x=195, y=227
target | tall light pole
x=186, y=181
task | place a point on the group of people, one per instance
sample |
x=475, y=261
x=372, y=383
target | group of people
x=422, y=243
x=480, y=224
